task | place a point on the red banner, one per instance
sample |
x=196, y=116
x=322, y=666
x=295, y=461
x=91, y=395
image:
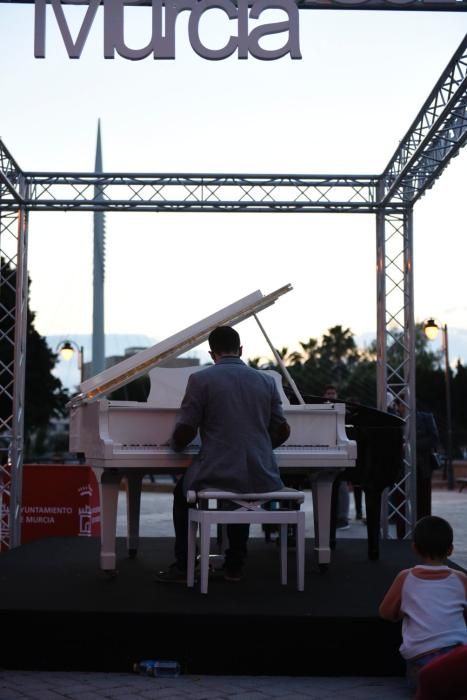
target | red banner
x=59, y=500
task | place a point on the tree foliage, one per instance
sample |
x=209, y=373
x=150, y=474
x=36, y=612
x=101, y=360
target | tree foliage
x=336, y=359
x=45, y=396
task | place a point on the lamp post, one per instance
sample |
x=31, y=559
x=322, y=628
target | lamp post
x=431, y=328
x=67, y=349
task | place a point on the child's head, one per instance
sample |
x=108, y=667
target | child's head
x=432, y=538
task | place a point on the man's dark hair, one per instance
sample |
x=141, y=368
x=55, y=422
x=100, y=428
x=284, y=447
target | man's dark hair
x=432, y=537
x=224, y=339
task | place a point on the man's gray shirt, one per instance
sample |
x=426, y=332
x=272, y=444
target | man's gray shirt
x=236, y=409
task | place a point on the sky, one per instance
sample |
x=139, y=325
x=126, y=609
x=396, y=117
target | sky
x=342, y=109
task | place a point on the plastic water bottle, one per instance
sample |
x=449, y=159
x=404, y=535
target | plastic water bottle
x=157, y=668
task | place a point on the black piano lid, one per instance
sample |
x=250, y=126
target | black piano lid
x=380, y=438
x=357, y=414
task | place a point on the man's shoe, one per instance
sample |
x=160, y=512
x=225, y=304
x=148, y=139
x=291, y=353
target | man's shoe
x=173, y=574
x=342, y=524
x=233, y=573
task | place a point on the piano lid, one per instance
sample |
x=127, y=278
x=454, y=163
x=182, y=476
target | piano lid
x=137, y=365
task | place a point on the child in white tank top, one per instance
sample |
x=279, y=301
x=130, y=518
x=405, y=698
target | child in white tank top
x=430, y=599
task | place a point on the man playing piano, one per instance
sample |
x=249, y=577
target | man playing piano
x=238, y=412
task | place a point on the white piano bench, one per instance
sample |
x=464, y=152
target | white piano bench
x=249, y=509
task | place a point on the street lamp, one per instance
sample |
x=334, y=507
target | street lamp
x=67, y=349
x=431, y=328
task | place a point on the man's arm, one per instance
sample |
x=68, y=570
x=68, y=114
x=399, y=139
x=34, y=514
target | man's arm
x=279, y=432
x=427, y=432
x=189, y=419
x=279, y=429
x=390, y=608
x=463, y=578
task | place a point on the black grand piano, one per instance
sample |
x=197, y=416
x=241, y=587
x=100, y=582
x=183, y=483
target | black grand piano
x=380, y=462
x=380, y=438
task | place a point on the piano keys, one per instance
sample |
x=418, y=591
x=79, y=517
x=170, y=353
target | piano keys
x=125, y=439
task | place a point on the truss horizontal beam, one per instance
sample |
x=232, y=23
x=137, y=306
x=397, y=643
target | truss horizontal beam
x=10, y=177
x=435, y=135
x=193, y=207
x=445, y=144
x=417, y=5
x=399, y=5
x=195, y=192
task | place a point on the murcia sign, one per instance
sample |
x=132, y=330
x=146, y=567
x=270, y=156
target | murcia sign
x=244, y=39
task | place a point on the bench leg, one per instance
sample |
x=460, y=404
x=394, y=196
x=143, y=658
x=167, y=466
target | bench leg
x=300, y=550
x=205, y=537
x=284, y=555
x=191, y=554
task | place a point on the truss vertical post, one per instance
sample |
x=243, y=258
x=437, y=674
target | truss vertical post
x=13, y=331
x=396, y=353
x=410, y=362
x=17, y=448
x=381, y=373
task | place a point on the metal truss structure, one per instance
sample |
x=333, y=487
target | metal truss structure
x=13, y=319
x=434, y=138
x=196, y=193
x=415, y=5
x=398, y=5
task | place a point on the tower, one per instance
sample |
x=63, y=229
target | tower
x=98, y=336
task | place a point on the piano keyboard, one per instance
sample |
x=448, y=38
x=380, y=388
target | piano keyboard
x=193, y=449
x=163, y=457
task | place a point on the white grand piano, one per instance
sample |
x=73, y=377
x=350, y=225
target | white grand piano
x=128, y=439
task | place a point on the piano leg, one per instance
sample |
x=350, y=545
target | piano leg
x=109, y=483
x=133, y=505
x=373, y=521
x=333, y=516
x=321, y=488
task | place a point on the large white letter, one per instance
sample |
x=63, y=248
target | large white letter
x=114, y=33
x=292, y=45
x=74, y=49
x=242, y=28
x=165, y=47
x=162, y=45
x=193, y=29
x=39, y=29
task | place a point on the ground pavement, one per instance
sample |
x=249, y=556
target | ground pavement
x=156, y=520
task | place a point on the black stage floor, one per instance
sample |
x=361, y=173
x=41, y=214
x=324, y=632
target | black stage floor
x=66, y=615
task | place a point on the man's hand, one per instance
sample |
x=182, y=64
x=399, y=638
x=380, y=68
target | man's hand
x=182, y=436
x=279, y=432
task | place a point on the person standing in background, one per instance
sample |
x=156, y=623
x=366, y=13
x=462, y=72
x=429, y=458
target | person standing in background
x=340, y=485
x=427, y=439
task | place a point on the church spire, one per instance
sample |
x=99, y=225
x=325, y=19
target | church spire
x=98, y=335
x=98, y=164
